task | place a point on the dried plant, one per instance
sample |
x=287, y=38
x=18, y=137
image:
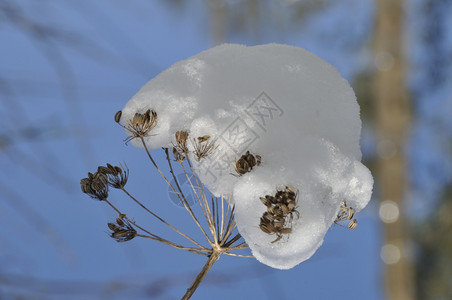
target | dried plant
x=140, y=125
x=203, y=146
x=216, y=223
x=247, y=162
x=279, y=215
x=346, y=213
x=180, y=150
x=122, y=231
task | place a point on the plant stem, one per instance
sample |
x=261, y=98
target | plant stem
x=212, y=259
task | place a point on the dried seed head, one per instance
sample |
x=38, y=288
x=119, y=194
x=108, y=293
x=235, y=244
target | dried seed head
x=85, y=185
x=103, y=170
x=266, y=227
x=280, y=210
x=141, y=124
x=123, y=231
x=118, y=115
x=181, y=137
x=180, y=149
x=246, y=163
x=346, y=213
x=114, y=176
x=95, y=185
x=203, y=146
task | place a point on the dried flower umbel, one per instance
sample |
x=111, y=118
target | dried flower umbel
x=95, y=185
x=116, y=176
x=346, y=213
x=280, y=212
x=203, y=146
x=247, y=162
x=140, y=125
x=216, y=221
x=122, y=231
x=180, y=150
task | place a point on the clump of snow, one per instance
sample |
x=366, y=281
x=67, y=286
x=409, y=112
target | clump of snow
x=282, y=103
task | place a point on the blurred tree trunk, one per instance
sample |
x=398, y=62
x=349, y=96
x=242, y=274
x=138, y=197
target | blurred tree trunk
x=392, y=109
x=218, y=21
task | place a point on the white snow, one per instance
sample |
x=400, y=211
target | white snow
x=280, y=102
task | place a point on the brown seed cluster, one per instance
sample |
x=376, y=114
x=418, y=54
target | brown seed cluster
x=117, y=176
x=203, y=146
x=96, y=185
x=246, y=163
x=122, y=231
x=140, y=125
x=180, y=149
x=346, y=213
x=279, y=215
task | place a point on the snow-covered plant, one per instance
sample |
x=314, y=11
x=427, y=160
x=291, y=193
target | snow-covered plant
x=268, y=139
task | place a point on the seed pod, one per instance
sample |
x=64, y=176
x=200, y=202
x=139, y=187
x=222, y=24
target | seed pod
x=113, y=227
x=118, y=115
x=266, y=201
x=353, y=223
x=120, y=222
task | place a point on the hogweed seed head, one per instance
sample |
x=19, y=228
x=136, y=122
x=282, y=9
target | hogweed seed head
x=203, y=146
x=247, y=162
x=141, y=124
x=280, y=210
x=180, y=149
x=346, y=213
x=122, y=231
x=116, y=176
x=95, y=185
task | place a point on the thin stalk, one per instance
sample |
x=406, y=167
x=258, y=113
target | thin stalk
x=160, y=219
x=114, y=207
x=156, y=237
x=239, y=255
x=233, y=240
x=203, y=203
x=220, y=230
x=217, y=221
x=212, y=259
x=237, y=248
x=184, y=200
x=215, y=231
x=194, y=189
x=158, y=169
x=190, y=249
x=200, y=185
x=225, y=217
x=229, y=228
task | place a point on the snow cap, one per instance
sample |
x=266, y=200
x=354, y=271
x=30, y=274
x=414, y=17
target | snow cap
x=279, y=118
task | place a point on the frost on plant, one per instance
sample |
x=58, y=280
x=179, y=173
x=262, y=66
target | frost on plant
x=273, y=129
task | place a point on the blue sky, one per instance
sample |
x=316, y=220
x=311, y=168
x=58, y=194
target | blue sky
x=96, y=57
